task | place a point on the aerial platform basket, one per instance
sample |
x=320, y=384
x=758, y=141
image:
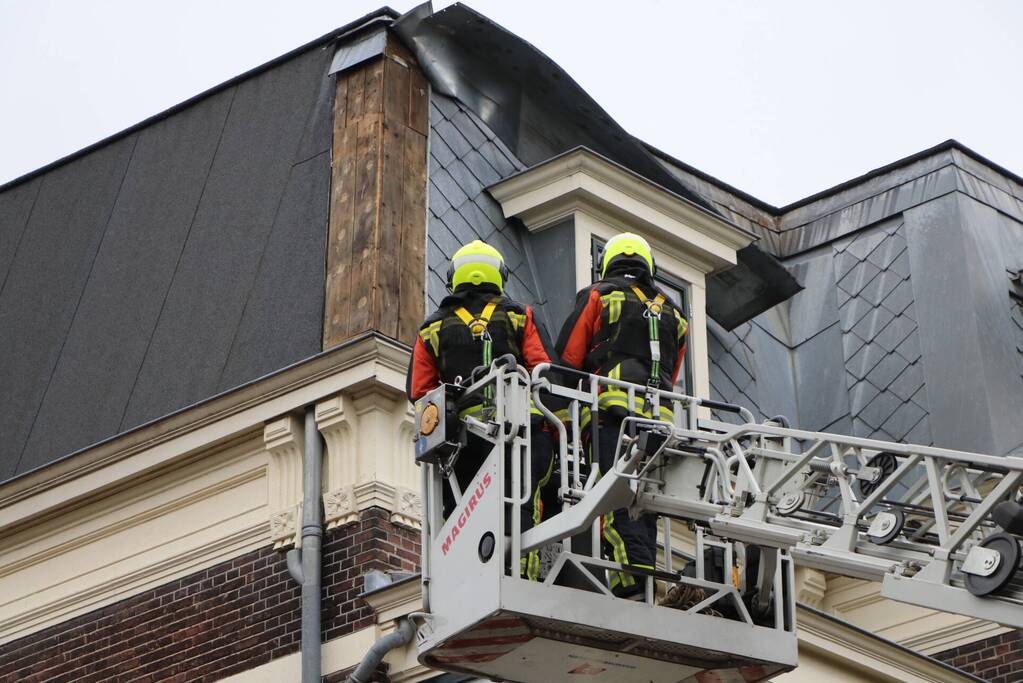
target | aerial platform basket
x=938, y=528
x=487, y=621
x=507, y=628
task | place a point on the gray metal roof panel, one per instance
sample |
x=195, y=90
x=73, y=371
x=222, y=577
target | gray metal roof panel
x=217, y=270
x=154, y=268
x=15, y=208
x=119, y=308
x=45, y=283
x=524, y=98
x=283, y=313
x=368, y=45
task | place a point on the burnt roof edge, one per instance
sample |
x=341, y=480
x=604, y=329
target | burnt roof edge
x=384, y=14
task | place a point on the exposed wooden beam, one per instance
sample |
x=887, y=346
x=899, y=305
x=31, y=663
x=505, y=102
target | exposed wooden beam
x=377, y=230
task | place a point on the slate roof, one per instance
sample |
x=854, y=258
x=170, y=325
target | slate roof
x=465, y=158
x=185, y=257
x=177, y=260
x=902, y=332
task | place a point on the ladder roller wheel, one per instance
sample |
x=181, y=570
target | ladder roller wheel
x=1009, y=551
x=886, y=464
x=890, y=533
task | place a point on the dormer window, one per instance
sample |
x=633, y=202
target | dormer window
x=586, y=198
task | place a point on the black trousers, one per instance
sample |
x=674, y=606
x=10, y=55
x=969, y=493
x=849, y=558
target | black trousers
x=625, y=540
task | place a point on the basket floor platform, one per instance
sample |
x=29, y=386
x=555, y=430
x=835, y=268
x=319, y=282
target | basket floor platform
x=546, y=634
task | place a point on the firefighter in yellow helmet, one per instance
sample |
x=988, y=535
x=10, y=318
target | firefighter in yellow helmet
x=473, y=325
x=624, y=327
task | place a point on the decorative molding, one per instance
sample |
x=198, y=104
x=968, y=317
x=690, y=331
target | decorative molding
x=94, y=526
x=811, y=586
x=149, y=534
x=369, y=458
x=959, y=633
x=408, y=507
x=208, y=484
x=374, y=494
x=282, y=529
x=369, y=359
x=553, y=189
x=340, y=507
x=285, y=441
x=397, y=600
x=924, y=630
x=337, y=423
x=829, y=642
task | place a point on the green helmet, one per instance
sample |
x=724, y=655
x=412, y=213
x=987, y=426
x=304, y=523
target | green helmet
x=477, y=263
x=627, y=244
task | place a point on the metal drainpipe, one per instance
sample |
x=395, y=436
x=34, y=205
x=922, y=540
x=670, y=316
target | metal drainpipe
x=304, y=564
x=401, y=636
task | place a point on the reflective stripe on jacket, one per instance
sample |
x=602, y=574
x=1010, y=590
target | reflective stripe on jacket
x=609, y=333
x=447, y=349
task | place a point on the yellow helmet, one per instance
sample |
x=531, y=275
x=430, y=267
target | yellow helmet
x=477, y=263
x=627, y=244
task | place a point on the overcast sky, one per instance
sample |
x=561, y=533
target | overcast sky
x=780, y=99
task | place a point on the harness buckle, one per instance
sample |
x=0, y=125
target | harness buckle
x=652, y=312
x=479, y=330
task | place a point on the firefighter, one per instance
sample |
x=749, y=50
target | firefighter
x=624, y=327
x=475, y=324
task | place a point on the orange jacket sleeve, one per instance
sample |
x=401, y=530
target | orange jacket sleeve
x=577, y=333
x=423, y=375
x=534, y=346
x=678, y=363
x=682, y=343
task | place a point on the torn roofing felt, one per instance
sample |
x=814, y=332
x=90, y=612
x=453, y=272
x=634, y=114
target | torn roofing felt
x=539, y=112
x=530, y=102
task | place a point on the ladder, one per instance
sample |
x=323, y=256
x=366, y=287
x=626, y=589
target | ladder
x=938, y=528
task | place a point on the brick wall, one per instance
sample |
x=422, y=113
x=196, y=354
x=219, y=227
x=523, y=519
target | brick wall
x=231, y=617
x=997, y=660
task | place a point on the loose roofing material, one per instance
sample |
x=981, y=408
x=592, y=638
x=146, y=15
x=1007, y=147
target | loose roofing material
x=176, y=260
x=529, y=101
x=539, y=112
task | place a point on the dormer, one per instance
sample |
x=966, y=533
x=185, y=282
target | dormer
x=573, y=203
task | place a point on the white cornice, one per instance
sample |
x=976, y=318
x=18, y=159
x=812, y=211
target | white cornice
x=397, y=600
x=365, y=361
x=834, y=639
x=580, y=179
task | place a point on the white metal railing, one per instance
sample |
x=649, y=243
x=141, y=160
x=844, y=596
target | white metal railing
x=906, y=514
